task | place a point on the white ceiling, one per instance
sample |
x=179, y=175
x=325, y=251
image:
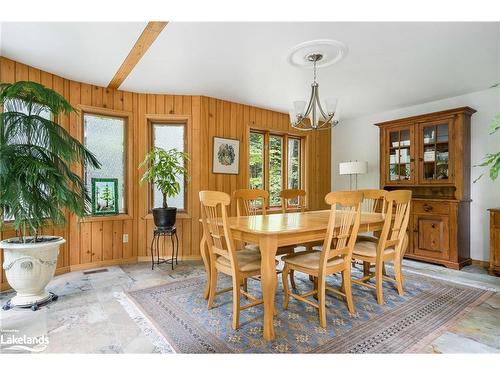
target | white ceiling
x=389, y=65
x=88, y=52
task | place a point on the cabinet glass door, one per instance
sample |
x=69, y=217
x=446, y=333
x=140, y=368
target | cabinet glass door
x=400, y=158
x=434, y=158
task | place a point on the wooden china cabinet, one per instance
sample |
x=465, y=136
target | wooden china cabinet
x=430, y=155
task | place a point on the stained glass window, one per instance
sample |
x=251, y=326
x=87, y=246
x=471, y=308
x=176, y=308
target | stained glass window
x=104, y=136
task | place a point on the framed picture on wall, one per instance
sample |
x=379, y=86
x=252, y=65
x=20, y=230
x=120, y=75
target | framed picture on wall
x=226, y=156
x=104, y=196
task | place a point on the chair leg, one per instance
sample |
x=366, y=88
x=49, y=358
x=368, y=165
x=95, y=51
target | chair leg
x=321, y=300
x=379, y=268
x=286, y=291
x=366, y=268
x=213, y=287
x=398, y=276
x=236, y=303
x=346, y=278
x=245, y=286
x=292, y=279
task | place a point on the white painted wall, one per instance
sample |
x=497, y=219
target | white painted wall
x=358, y=139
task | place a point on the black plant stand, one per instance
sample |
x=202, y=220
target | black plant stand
x=155, y=246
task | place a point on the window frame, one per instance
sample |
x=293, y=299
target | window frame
x=128, y=177
x=284, y=161
x=181, y=120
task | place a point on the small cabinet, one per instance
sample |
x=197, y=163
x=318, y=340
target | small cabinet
x=494, y=268
x=431, y=236
x=429, y=154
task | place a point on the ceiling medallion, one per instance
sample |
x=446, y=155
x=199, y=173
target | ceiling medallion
x=314, y=115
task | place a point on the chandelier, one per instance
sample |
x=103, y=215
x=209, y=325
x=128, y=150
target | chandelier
x=313, y=115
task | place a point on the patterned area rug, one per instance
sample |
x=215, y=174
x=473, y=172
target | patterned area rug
x=403, y=324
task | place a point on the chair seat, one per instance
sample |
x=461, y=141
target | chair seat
x=309, y=259
x=253, y=247
x=368, y=249
x=248, y=260
x=367, y=237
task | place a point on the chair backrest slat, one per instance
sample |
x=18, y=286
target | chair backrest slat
x=250, y=202
x=373, y=200
x=297, y=195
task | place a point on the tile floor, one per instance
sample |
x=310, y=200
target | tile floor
x=91, y=317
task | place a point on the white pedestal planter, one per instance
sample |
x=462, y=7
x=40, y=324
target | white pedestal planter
x=29, y=267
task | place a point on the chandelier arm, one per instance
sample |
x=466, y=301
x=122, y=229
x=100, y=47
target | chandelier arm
x=323, y=113
x=311, y=101
x=328, y=123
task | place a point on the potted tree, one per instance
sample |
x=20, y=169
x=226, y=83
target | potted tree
x=164, y=169
x=37, y=185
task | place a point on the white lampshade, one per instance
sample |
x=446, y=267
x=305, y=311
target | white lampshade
x=331, y=105
x=353, y=167
x=299, y=107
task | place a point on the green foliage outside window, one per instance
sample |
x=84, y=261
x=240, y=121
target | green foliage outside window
x=256, y=159
x=277, y=163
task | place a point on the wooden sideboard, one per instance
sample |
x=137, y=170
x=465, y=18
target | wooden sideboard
x=430, y=155
x=494, y=268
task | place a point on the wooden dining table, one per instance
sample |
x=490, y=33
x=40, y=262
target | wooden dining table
x=276, y=230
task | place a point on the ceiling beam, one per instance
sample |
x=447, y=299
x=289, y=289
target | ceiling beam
x=145, y=40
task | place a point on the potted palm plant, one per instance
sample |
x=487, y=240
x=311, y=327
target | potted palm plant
x=164, y=169
x=37, y=185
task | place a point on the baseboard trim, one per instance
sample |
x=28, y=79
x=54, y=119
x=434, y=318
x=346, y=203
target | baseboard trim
x=481, y=263
x=185, y=257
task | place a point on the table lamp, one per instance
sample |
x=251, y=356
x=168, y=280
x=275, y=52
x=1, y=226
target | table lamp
x=353, y=168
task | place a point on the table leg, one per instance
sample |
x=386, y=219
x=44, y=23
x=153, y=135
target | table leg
x=205, y=255
x=268, y=247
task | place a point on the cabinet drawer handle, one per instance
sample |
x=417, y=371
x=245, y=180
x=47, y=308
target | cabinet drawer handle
x=427, y=207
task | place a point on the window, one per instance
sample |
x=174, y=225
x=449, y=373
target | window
x=275, y=163
x=275, y=169
x=20, y=106
x=256, y=161
x=169, y=136
x=104, y=136
x=293, y=163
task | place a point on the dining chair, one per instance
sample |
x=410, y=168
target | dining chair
x=224, y=257
x=295, y=195
x=390, y=247
x=250, y=202
x=334, y=256
x=373, y=201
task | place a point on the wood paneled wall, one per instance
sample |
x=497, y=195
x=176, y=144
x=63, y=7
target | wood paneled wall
x=99, y=242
